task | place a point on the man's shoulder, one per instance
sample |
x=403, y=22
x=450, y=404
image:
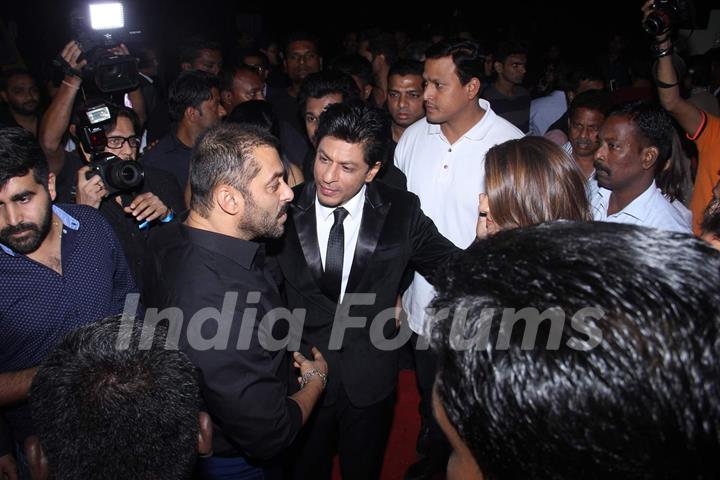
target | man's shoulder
x=414, y=133
x=394, y=196
x=165, y=145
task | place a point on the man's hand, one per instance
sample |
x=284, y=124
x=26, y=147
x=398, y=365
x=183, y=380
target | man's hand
x=147, y=206
x=8, y=467
x=70, y=53
x=305, y=365
x=89, y=191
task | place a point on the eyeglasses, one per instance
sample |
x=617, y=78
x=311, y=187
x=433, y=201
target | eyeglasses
x=117, y=142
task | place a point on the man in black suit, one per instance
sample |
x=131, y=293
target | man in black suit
x=348, y=235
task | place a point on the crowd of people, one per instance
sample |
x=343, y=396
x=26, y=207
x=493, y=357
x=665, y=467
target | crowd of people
x=222, y=279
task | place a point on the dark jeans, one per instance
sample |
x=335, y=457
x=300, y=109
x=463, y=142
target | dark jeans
x=227, y=468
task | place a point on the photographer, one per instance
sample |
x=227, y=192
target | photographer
x=155, y=198
x=53, y=126
x=700, y=127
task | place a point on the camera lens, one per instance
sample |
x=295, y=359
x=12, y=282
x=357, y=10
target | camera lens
x=655, y=24
x=125, y=175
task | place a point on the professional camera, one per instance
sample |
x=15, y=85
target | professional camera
x=117, y=174
x=668, y=15
x=98, y=28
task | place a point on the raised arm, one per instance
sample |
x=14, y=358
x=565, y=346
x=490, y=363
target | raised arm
x=57, y=117
x=687, y=115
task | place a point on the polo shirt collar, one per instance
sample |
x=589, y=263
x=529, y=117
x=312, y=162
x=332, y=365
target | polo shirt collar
x=639, y=208
x=479, y=130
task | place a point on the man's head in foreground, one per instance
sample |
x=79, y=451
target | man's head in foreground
x=110, y=403
x=619, y=381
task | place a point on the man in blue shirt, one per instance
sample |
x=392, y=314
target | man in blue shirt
x=61, y=267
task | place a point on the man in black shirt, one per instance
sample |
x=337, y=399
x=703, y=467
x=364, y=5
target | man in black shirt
x=153, y=201
x=213, y=271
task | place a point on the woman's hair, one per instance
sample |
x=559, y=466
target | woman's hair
x=532, y=180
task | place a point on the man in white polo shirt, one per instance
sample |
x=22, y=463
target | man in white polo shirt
x=636, y=140
x=443, y=157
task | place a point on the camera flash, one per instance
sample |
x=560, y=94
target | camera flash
x=104, y=16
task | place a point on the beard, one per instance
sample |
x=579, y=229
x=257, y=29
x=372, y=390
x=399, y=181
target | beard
x=262, y=224
x=33, y=240
x=26, y=109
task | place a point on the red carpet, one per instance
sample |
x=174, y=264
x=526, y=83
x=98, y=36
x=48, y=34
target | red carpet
x=400, y=453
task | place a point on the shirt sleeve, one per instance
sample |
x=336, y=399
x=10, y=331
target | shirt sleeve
x=247, y=401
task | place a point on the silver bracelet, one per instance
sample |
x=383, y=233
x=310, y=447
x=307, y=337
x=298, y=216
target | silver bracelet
x=305, y=379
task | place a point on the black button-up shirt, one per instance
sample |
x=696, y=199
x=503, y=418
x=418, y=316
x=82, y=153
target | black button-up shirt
x=209, y=275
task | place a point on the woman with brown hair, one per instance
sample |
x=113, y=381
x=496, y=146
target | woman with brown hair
x=530, y=180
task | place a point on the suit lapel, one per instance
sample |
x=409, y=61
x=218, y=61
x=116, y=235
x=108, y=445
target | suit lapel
x=306, y=228
x=374, y=215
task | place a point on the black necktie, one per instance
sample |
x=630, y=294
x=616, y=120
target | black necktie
x=334, y=256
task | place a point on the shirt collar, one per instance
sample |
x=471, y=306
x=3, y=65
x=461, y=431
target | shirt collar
x=354, y=206
x=68, y=221
x=638, y=208
x=246, y=253
x=478, y=131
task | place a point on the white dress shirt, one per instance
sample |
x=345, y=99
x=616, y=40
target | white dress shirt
x=324, y=220
x=447, y=179
x=649, y=209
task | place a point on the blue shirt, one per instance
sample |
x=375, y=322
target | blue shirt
x=39, y=306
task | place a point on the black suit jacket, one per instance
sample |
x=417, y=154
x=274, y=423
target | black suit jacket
x=394, y=233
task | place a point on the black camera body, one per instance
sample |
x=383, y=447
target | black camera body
x=118, y=175
x=111, y=73
x=667, y=16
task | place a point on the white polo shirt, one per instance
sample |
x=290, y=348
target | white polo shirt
x=448, y=179
x=649, y=209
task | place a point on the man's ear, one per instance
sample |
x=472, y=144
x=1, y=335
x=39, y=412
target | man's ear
x=3, y=95
x=473, y=87
x=204, y=435
x=226, y=97
x=649, y=157
x=497, y=67
x=367, y=91
x=73, y=130
x=37, y=461
x=51, y=186
x=229, y=199
x=191, y=113
x=370, y=175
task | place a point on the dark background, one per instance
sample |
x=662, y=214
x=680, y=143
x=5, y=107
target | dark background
x=580, y=29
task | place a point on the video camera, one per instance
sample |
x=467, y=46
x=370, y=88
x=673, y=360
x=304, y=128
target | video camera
x=118, y=175
x=98, y=28
x=669, y=15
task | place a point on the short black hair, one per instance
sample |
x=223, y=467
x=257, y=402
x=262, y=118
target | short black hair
x=326, y=82
x=190, y=89
x=505, y=48
x=596, y=100
x=13, y=72
x=256, y=112
x=579, y=73
x=358, y=123
x=465, y=55
x=384, y=44
x=653, y=124
x=631, y=389
x=225, y=154
x=21, y=153
x=104, y=406
x=300, y=36
x=353, y=64
x=227, y=75
x=406, y=67
x=191, y=50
